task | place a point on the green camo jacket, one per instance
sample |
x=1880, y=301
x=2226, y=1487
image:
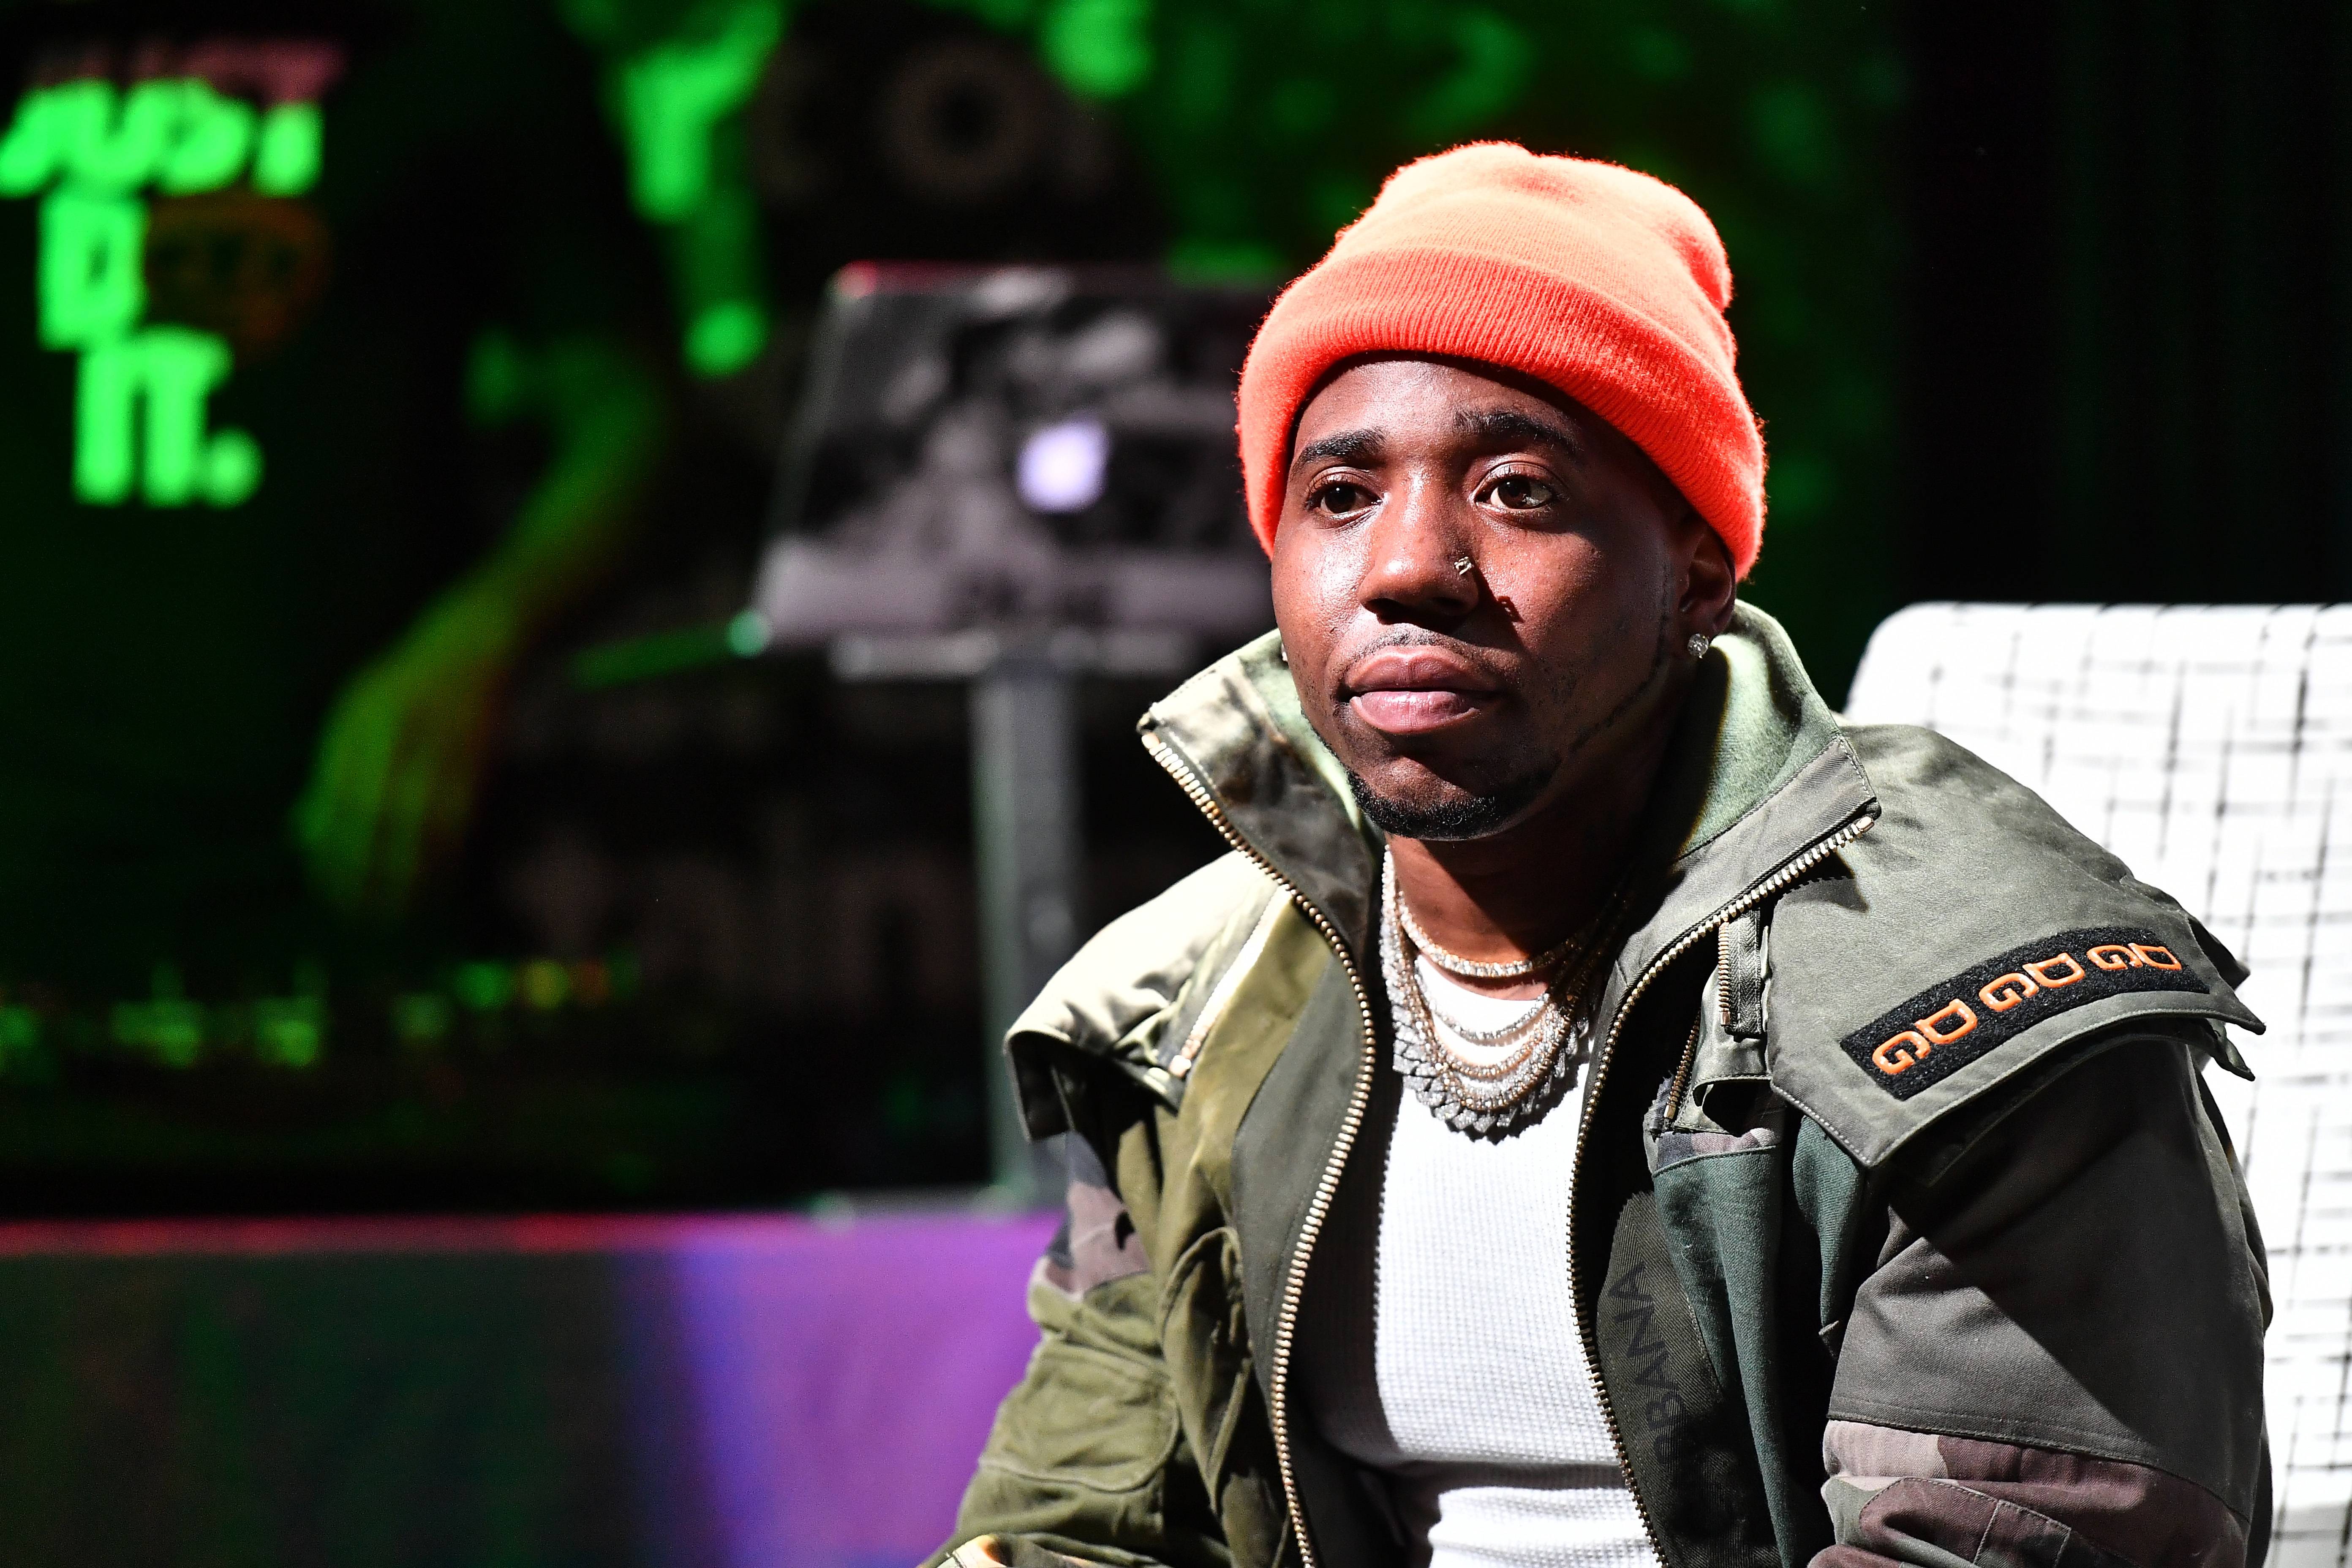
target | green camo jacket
x=1903, y=1228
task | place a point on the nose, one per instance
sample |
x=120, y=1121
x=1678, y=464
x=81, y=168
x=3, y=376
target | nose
x=1414, y=551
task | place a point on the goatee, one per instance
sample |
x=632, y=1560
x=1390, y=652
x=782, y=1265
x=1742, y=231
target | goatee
x=1459, y=818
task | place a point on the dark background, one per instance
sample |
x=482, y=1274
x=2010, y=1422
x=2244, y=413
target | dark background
x=2037, y=302
x=2128, y=302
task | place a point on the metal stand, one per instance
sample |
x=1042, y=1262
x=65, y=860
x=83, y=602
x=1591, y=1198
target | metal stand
x=1026, y=838
x=1025, y=828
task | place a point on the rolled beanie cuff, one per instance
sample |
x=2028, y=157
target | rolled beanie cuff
x=1652, y=387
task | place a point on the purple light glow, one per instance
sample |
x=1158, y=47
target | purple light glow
x=1062, y=466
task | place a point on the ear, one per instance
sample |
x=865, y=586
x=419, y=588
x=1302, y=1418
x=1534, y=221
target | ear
x=1709, y=585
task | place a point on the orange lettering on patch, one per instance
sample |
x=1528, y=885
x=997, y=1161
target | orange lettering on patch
x=2112, y=955
x=1892, y=1059
x=2006, y=991
x=2050, y=982
x=1956, y=1009
x=2145, y=951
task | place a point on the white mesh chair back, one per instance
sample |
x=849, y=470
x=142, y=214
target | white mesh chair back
x=2212, y=749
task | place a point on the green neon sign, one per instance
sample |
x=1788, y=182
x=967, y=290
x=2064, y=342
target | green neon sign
x=167, y=373
x=88, y=149
x=180, y=134
x=725, y=337
x=671, y=98
x=1100, y=49
x=90, y=281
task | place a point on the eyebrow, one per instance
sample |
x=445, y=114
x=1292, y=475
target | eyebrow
x=1508, y=427
x=1362, y=446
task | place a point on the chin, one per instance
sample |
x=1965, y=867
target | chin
x=1442, y=812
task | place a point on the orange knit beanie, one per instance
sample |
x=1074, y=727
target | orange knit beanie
x=1602, y=282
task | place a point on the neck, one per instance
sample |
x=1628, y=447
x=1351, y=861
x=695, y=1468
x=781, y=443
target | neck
x=1517, y=893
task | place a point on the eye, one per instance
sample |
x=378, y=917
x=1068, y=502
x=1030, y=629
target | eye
x=1339, y=497
x=1521, y=492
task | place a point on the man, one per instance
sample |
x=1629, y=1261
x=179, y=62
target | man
x=1604, y=1110
x=255, y=253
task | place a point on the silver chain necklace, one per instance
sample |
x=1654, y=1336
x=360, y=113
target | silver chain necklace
x=1476, y=969
x=1480, y=1097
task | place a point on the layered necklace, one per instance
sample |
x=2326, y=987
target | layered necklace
x=1508, y=1076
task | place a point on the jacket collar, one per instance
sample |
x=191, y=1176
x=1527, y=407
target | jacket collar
x=1756, y=773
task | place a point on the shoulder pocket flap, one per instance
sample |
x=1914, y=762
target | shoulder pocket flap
x=1875, y=1086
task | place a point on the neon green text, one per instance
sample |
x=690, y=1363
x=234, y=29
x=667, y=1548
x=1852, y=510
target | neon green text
x=167, y=373
x=179, y=134
x=90, y=281
x=286, y=161
x=140, y=415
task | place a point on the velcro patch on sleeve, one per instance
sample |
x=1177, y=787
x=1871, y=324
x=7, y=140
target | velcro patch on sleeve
x=1944, y=1028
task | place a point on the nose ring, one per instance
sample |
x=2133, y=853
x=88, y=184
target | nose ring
x=1463, y=566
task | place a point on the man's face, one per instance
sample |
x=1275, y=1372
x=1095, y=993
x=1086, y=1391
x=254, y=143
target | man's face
x=1462, y=701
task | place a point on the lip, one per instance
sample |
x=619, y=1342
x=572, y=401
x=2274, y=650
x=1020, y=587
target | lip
x=1415, y=689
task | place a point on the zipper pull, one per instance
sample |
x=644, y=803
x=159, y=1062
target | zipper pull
x=1742, y=976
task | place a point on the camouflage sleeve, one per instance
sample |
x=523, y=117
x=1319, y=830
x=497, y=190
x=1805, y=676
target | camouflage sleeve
x=1086, y=1463
x=2058, y=1357
x=1916, y=1497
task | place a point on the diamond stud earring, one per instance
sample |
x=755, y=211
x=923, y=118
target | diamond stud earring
x=1699, y=642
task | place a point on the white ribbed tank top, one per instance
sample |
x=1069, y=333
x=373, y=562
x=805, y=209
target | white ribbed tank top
x=1441, y=1347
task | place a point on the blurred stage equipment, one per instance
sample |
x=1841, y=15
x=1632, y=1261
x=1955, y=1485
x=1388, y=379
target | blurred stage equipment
x=2211, y=748
x=1019, y=477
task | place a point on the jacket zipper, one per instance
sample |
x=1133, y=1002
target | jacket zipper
x=1787, y=875
x=1294, y=1282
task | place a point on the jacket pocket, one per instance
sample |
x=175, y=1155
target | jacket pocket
x=1205, y=1343
x=1089, y=1413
